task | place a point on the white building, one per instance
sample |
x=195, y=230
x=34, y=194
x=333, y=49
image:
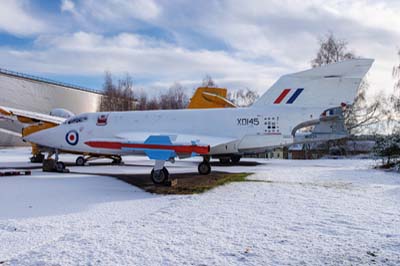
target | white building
x=35, y=94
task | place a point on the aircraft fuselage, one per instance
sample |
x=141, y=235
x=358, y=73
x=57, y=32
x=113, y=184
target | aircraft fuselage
x=249, y=129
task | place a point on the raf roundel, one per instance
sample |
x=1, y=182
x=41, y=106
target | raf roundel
x=72, y=137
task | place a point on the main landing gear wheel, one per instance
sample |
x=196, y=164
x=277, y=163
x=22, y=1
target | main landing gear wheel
x=60, y=166
x=160, y=176
x=204, y=168
x=235, y=159
x=225, y=160
x=80, y=161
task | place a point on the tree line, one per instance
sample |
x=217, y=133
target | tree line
x=123, y=96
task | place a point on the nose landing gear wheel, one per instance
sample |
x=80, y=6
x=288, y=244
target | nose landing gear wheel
x=160, y=176
x=37, y=158
x=204, y=168
x=117, y=161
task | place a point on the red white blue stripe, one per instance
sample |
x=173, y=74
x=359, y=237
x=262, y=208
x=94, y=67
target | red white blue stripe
x=285, y=93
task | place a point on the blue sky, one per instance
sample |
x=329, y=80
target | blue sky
x=239, y=43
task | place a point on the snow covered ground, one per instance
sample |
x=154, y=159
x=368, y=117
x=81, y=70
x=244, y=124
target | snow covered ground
x=332, y=212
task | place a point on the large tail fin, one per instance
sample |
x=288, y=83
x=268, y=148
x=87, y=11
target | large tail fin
x=326, y=86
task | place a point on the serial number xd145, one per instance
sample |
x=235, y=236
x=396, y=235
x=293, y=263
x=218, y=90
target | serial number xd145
x=247, y=121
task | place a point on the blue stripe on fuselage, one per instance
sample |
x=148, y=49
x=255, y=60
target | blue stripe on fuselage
x=155, y=139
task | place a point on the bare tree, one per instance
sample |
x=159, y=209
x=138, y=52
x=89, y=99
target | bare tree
x=387, y=146
x=331, y=50
x=125, y=89
x=361, y=113
x=388, y=108
x=153, y=104
x=142, y=102
x=109, y=93
x=117, y=98
x=208, y=82
x=395, y=97
x=396, y=74
x=242, y=97
x=174, y=98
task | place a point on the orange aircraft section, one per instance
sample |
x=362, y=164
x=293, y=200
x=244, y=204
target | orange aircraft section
x=206, y=97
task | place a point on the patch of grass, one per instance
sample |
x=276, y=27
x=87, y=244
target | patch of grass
x=228, y=178
x=260, y=181
x=225, y=179
x=202, y=184
x=188, y=183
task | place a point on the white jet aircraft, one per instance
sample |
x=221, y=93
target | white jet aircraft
x=165, y=135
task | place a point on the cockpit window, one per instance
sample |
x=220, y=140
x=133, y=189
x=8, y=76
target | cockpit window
x=76, y=119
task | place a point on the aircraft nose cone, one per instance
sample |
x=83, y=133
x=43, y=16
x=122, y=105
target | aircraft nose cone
x=46, y=138
x=37, y=138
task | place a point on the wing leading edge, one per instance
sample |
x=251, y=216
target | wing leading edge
x=27, y=117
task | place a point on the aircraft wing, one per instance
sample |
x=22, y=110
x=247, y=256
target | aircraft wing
x=160, y=146
x=26, y=117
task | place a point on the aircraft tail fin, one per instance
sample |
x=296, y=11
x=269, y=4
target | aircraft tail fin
x=321, y=87
x=206, y=97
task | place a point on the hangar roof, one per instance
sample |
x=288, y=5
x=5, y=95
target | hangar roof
x=46, y=80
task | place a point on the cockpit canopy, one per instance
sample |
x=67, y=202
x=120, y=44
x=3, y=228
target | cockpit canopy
x=60, y=112
x=76, y=119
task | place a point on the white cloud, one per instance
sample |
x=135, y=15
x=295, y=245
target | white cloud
x=119, y=10
x=91, y=54
x=16, y=19
x=109, y=16
x=285, y=32
x=255, y=41
x=371, y=14
x=68, y=6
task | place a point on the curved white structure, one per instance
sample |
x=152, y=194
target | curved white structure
x=40, y=95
